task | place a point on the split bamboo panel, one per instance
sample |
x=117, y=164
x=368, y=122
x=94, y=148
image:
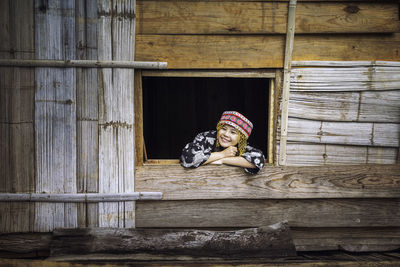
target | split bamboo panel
x=252, y=213
x=55, y=114
x=16, y=114
x=243, y=51
x=264, y=17
x=87, y=111
x=116, y=41
x=226, y=182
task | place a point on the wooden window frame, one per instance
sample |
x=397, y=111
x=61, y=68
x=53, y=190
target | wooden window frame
x=140, y=159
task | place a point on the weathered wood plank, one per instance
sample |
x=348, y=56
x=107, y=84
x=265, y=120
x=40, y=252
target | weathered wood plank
x=253, y=213
x=224, y=51
x=87, y=111
x=116, y=33
x=16, y=101
x=267, y=241
x=223, y=17
x=366, y=106
x=349, y=239
x=302, y=154
x=55, y=113
x=345, y=79
x=344, y=133
x=223, y=182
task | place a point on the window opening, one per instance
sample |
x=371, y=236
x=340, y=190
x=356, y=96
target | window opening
x=175, y=109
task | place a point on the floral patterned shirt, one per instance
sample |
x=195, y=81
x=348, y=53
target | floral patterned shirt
x=197, y=152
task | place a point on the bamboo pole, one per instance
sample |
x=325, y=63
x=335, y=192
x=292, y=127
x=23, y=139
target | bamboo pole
x=74, y=198
x=286, y=80
x=83, y=64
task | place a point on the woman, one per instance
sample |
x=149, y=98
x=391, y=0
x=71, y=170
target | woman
x=226, y=145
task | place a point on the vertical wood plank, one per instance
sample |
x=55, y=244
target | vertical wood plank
x=138, y=95
x=116, y=114
x=16, y=100
x=55, y=113
x=5, y=84
x=87, y=111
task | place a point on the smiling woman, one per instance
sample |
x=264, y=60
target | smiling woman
x=226, y=145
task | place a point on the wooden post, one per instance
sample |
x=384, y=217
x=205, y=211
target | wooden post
x=286, y=80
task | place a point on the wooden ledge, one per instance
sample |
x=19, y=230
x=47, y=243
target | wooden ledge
x=225, y=182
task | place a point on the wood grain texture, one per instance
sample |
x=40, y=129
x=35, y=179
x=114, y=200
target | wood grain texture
x=365, y=106
x=223, y=17
x=16, y=119
x=116, y=41
x=345, y=79
x=267, y=241
x=243, y=51
x=223, y=182
x=307, y=154
x=55, y=113
x=253, y=213
x=345, y=133
x=349, y=239
x=87, y=111
x=360, y=239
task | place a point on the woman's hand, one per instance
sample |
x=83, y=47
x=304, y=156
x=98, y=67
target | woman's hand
x=229, y=151
x=215, y=157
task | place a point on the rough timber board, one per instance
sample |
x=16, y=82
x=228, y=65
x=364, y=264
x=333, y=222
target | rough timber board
x=268, y=17
x=16, y=119
x=55, y=113
x=116, y=41
x=253, y=213
x=225, y=51
x=366, y=106
x=307, y=154
x=355, y=133
x=224, y=182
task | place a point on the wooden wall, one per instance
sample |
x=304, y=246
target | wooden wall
x=251, y=34
x=66, y=130
x=344, y=113
x=338, y=115
x=17, y=89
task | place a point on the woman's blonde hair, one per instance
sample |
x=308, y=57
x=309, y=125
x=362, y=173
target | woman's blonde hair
x=242, y=139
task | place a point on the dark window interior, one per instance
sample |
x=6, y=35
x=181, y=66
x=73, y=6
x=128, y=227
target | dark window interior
x=175, y=109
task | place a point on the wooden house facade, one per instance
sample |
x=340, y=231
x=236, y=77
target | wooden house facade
x=75, y=75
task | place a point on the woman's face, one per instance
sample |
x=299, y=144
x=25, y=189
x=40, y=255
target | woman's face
x=228, y=136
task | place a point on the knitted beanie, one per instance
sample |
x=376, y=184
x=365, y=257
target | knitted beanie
x=238, y=121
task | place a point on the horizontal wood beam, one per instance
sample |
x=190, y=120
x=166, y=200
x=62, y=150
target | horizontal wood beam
x=226, y=182
x=264, y=17
x=344, y=64
x=82, y=64
x=267, y=241
x=211, y=73
x=74, y=198
x=262, y=51
x=360, y=239
x=253, y=213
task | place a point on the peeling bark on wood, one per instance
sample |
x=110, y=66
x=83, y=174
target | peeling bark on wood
x=269, y=241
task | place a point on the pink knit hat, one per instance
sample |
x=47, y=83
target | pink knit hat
x=238, y=121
